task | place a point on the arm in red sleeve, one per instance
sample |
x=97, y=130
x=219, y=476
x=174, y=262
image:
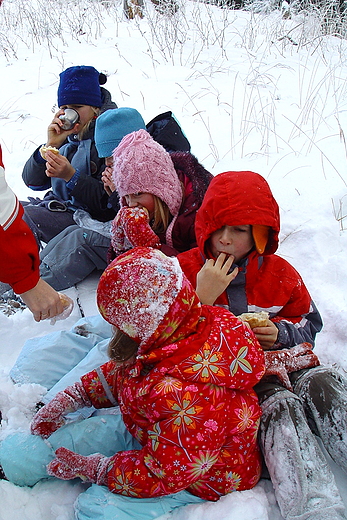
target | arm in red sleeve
x=19, y=255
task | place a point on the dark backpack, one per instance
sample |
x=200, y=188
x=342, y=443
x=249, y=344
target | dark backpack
x=165, y=129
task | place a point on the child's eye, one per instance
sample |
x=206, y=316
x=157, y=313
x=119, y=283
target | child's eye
x=138, y=194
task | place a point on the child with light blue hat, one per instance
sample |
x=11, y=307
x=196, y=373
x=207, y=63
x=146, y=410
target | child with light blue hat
x=113, y=125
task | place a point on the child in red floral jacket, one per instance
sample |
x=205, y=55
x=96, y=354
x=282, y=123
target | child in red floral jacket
x=234, y=266
x=183, y=375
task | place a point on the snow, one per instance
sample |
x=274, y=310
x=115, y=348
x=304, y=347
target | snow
x=248, y=98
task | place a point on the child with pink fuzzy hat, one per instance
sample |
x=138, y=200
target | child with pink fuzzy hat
x=160, y=194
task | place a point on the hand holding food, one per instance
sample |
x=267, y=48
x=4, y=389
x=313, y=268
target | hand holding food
x=45, y=149
x=264, y=329
x=68, y=305
x=255, y=319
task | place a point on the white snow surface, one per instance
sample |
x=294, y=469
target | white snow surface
x=247, y=99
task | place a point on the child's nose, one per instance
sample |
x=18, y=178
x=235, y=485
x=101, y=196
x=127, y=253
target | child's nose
x=225, y=238
x=132, y=203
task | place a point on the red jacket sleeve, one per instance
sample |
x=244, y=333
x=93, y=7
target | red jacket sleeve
x=19, y=254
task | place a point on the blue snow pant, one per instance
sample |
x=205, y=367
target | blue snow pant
x=24, y=458
x=72, y=255
x=49, y=360
x=44, y=223
x=97, y=503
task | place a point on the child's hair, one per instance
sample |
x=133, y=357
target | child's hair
x=121, y=347
x=85, y=128
x=162, y=216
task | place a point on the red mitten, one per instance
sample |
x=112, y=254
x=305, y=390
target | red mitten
x=51, y=416
x=68, y=465
x=119, y=242
x=131, y=228
x=301, y=356
x=280, y=363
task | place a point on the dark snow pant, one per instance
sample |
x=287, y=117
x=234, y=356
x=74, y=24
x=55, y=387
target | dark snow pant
x=72, y=255
x=44, y=223
x=304, y=484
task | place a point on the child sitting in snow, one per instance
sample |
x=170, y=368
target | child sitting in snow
x=160, y=194
x=234, y=266
x=183, y=375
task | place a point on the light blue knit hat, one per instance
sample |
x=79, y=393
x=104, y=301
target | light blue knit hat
x=111, y=126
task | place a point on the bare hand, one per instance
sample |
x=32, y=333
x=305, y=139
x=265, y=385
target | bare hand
x=43, y=301
x=56, y=135
x=267, y=336
x=214, y=277
x=58, y=166
x=107, y=179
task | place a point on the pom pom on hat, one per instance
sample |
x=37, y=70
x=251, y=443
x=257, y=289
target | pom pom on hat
x=137, y=289
x=113, y=125
x=80, y=85
x=143, y=165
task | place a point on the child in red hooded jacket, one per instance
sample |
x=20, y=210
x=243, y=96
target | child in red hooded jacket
x=183, y=375
x=234, y=266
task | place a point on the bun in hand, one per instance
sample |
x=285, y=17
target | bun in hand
x=45, y=149
x=255, y=319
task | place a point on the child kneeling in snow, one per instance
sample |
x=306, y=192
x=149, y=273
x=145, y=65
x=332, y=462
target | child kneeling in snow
x=234, y=265
x=183, y=376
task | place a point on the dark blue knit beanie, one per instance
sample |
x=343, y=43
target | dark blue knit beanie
x=80, y=85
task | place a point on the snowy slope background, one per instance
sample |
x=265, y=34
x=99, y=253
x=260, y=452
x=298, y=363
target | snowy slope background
x=252, y=92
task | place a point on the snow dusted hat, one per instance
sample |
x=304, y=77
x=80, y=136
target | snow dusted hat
x=137, y=289
x=80, y=85
x=111, y=126
x=140, y=164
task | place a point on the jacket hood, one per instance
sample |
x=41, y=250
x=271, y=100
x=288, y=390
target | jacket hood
x=107, y=102
x=237, y=198
x=145, y=294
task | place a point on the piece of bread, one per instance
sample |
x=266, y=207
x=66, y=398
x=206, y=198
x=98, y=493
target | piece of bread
x=65, y=300
x=255, y=319
x=45, y=149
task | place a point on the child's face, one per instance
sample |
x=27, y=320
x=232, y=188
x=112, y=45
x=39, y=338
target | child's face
x=232, y=240
x=141, y=200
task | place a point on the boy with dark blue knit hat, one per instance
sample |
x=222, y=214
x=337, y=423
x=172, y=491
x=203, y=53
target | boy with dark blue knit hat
x=68, y=163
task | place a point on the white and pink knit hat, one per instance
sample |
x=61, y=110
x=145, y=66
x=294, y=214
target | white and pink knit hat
x=143, y=165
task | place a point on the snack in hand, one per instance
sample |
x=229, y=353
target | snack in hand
x=45, y=149
x=255, y=319
x=68, y=305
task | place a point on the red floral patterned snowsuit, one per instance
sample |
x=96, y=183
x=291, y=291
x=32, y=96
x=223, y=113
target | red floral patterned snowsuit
x=191, y=405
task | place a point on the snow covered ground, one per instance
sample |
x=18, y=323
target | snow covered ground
x=248, y=96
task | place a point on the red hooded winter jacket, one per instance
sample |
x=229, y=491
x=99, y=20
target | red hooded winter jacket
x=265, y=282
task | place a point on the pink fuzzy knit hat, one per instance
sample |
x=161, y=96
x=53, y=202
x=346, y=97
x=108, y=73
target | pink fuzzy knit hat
x=143, y=165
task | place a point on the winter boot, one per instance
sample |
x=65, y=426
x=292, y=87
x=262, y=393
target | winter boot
x=324, y=394
x=303, y=482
